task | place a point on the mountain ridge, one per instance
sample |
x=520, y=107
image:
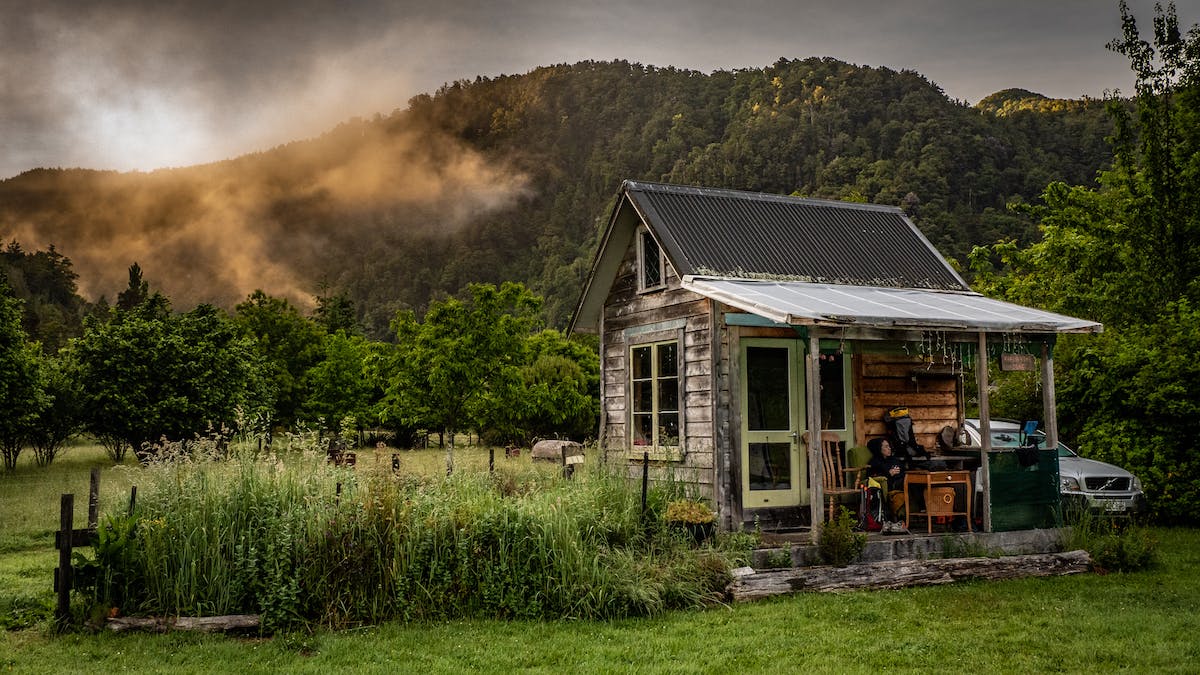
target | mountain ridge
x=509, y=178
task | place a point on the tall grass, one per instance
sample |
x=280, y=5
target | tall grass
x=1115, y=544
x=289, y=536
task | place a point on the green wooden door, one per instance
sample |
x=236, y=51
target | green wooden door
x=774, y=468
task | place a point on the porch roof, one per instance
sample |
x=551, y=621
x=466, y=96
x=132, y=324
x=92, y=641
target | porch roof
x=800, y=303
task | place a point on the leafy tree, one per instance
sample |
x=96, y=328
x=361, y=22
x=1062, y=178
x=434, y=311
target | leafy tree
x=478, y=364
x=148, y=375
x=21, y=392
x=1133, y=392
x=1157, y=155
x=456, y=370
x=558, y=394
x=288, y=343
x=1127, y=253
x=62, y=415
x=339, y=385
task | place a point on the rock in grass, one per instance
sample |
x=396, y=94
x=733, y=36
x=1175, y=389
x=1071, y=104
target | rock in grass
x=552, y=450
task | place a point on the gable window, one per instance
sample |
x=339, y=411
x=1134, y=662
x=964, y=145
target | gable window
x=654, y=396
x=650, y=261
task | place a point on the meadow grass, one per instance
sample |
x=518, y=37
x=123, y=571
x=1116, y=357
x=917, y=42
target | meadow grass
x=282, y=533
x=29, y=515
x=1137, y=622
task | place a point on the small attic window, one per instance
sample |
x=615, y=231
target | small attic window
x=650, y=262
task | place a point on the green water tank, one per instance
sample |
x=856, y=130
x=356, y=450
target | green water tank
x=1025, y=493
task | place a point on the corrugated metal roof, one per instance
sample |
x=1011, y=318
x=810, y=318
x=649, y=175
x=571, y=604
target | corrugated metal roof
x=716, y=232
x=799, y=303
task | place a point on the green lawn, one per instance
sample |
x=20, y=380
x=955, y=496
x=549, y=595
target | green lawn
x=1142, y=622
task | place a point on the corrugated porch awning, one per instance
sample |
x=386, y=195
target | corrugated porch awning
x=800, y=303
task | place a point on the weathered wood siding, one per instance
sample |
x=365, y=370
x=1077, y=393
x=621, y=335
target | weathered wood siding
x=631, y=317
x=883, y=382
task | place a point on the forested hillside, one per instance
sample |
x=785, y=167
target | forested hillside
x=509, y=178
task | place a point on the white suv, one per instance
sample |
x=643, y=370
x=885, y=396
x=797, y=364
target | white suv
x=1103, y=488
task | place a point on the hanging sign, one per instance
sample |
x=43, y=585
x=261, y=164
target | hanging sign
x=1011, y=362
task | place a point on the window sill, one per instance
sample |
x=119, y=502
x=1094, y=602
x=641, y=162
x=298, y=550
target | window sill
x=656, y=453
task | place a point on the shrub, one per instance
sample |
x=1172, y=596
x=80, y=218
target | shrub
x=1128, y=551
x=689, y=511
x=779, y=558
x=838, y=543
x=1115, y=545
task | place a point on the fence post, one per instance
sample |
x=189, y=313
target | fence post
x=132, y=498
x=491, y=460
x=66, y=522
x=645, y=479
x=94, y=499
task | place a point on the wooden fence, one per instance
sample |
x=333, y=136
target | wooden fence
x=68, y=537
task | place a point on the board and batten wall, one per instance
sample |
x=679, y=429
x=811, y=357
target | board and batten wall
x=932, y=394
x=630, y=318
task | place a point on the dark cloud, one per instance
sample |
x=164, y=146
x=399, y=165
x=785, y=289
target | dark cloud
x=147, y=83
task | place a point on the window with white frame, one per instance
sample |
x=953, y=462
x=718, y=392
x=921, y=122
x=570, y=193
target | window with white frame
x=654, y=395
x=652, y=273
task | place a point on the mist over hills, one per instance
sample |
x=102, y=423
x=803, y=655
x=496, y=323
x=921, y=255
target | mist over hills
x=509, y=178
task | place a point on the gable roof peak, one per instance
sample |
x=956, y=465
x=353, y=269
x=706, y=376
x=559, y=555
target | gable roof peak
x=732, y=233
x=695, y=190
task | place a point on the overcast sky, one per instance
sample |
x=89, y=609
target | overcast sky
x=143, y=84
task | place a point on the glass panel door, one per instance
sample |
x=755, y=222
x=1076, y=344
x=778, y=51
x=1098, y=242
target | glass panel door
x=836, y=403
x=772, y=420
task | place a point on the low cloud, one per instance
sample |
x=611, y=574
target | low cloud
x=271, y=220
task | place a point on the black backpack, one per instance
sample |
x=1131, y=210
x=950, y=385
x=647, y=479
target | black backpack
x=901, y=436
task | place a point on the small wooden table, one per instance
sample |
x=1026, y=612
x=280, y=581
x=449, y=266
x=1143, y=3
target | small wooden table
x=930, y=480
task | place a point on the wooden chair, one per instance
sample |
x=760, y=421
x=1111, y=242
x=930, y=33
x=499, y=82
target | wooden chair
x=837, y=480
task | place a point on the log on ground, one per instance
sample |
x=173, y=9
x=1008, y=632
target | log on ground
x=203, y=624
x=902, y=573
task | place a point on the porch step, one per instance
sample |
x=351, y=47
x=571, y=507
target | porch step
x=798, y=546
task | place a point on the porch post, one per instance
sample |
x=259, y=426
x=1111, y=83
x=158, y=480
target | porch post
x=985, y=430
x=722, y=486
x=812, y=385
x=1049, y=405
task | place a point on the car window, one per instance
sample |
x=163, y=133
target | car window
x=1009, y=438
x=1004, y=439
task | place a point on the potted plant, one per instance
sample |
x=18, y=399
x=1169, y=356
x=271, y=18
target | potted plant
x=692, y=516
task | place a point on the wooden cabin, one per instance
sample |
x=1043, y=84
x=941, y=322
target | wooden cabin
x=729, y=321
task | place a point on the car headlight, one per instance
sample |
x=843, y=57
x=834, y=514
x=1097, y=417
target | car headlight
x=1137, y=484
x=1069, y=483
